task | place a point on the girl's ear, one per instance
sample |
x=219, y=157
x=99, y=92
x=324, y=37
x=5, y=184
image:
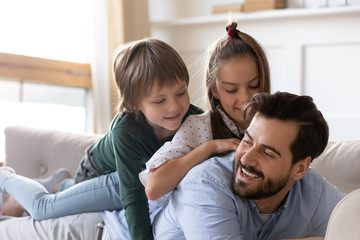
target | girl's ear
x=214, y=92
x=301, y=167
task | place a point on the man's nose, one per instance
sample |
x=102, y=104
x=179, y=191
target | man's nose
x=249, y=157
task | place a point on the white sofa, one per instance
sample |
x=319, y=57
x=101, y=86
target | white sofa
x=37, y=153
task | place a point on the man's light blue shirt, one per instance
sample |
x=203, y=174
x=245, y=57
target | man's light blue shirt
x=204, y=207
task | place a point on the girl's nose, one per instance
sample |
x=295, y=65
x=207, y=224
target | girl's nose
x=243, y=97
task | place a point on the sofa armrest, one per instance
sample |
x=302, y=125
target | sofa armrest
x=36, y=153
x=344, y=220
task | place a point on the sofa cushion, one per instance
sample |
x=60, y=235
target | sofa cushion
x=36, y=153
x=340, y=165
x=78, y=226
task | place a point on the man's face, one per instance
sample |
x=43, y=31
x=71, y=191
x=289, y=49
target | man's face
x=263, y=162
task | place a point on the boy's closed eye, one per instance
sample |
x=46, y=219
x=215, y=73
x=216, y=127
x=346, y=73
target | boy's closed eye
x=159, y=101
x=182, y=93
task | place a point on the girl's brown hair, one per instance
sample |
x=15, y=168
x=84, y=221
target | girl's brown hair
x=235, y=44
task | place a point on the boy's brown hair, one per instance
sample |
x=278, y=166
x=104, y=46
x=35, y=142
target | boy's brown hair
x=139, y=64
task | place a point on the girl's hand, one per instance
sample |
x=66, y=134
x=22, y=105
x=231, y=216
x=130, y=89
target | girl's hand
x=224, y=145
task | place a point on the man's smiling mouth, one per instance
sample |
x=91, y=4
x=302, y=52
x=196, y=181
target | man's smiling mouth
x=248, y=174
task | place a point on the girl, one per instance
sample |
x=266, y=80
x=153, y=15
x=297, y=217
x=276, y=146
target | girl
x=237, y=69
x=152, y=80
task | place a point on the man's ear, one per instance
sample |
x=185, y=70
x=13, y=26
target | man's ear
x=301, y=167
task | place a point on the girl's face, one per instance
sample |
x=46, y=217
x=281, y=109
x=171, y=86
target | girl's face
x=165, y=108
x=237, y=81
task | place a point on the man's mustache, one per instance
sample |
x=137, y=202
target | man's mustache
x=248, y=168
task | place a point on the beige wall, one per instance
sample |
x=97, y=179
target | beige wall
x=128, y=20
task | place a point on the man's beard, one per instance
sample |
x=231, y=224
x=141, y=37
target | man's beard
x=265, y=189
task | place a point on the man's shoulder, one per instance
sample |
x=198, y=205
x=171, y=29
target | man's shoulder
x=315, y=181
x=217, y=170
x=314, y=187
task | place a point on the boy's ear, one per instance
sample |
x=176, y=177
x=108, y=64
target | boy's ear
x=301, y=167
x=136, y=107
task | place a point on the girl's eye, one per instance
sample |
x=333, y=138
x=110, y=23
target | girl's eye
x=254, y=87
x=231, y=91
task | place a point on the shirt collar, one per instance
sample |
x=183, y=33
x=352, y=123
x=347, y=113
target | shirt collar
x=282, y=206
x=229, y=122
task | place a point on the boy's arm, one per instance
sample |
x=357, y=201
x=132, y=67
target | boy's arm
x=132, y=192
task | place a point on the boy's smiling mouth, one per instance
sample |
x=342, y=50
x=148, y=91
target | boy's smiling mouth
x=175, y=117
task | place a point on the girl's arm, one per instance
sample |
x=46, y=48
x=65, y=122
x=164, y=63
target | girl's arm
x=167, y=176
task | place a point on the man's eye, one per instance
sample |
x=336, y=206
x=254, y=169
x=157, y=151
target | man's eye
x=246, y=142
x=268, y=154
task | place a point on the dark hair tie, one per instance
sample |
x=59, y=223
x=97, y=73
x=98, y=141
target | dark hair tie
x=233, y=32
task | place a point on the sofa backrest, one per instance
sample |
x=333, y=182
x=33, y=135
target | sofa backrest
x=36, y=153
x=340, y=165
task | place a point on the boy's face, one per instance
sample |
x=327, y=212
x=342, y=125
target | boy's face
x=164, y=108
x=263, y=164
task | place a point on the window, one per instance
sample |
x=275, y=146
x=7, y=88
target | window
x=55, y=29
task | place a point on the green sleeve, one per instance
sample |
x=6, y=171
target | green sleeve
x=129, y=164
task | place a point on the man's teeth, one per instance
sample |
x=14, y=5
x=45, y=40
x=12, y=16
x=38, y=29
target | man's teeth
x=248, y=173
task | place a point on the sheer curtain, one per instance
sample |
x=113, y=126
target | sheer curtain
x=128, y=20
x=114, y=23
x=100, y=65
